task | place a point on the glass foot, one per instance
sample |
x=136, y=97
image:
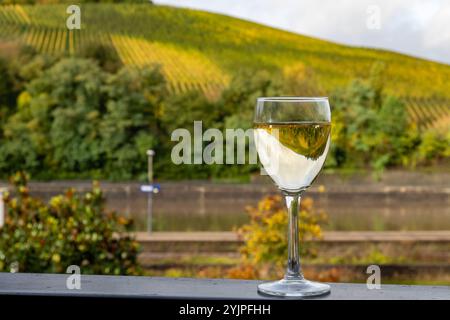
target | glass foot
x=294, y=288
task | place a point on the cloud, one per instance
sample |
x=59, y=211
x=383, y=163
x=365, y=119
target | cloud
x=416, y=27
x=437, y=35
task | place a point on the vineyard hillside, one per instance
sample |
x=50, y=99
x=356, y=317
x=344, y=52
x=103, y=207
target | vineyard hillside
x=202, y=51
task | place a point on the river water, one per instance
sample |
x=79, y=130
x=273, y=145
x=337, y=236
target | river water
x=202, y=206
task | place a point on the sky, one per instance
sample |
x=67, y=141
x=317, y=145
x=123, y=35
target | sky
x=416, y=27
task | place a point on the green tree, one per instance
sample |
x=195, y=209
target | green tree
x=12, y=57
x=55, y=128
x=371, y=128
x=75, y=120
x=105, y=55
x=239, y=98
x=134, y=99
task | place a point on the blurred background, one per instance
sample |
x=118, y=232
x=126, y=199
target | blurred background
x=87, y=88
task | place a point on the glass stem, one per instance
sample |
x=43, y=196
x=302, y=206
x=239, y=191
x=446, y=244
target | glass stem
x=293, y=270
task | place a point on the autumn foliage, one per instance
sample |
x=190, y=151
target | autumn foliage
x=264, y=252
x=71, y=229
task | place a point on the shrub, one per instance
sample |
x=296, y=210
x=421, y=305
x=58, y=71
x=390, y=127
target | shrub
x=71, y=229
x=264, y=252
x=434, y=146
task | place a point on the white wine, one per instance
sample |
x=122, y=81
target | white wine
x=292, y=153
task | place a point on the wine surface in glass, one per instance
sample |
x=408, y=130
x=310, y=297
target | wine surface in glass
x=292, y=153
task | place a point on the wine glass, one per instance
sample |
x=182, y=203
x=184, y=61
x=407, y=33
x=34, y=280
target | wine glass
x=292, y=138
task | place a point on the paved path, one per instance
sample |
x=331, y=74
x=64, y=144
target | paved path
x=329, y=236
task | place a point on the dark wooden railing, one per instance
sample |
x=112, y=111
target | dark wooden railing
x=28, y=284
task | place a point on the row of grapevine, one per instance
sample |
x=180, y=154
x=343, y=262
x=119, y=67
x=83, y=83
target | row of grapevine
x=429, y=113
x=184, y=69
x=51, y=40
x=13, y=14
x=12, y=20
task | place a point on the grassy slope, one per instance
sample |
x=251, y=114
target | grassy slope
x=203, y=50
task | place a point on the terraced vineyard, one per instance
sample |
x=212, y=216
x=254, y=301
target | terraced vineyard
x=199, y=50
x=184, y=70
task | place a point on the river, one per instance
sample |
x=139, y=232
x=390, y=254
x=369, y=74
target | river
x=399, y=203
